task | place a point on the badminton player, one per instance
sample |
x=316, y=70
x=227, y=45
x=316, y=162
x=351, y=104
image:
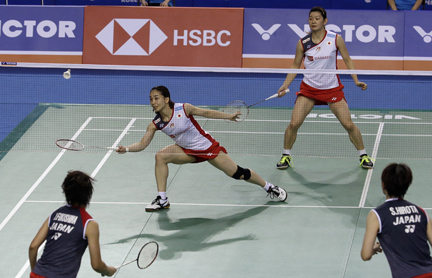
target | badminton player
x=403, y=228
x=192, y=145
x=67, y=232
x=318, y=50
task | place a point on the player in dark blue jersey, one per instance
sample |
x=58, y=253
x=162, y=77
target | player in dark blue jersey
x=67, y=232
x=403, y=228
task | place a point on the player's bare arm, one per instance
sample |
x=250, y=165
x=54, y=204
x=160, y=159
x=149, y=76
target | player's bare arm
x=348, y=61
x=92, y=235
x=370, y=245
x=208, y=113
x=36, y=243
x=298, y=58
x=141, y=145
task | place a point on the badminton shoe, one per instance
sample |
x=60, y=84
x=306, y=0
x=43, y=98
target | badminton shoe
x=284, y=162
x=277, y=192
x=156, y=205
x=366, y=162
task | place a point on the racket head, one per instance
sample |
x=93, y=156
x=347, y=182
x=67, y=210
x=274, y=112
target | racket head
x=69, y=144
x=237, y=105
x=147, y=255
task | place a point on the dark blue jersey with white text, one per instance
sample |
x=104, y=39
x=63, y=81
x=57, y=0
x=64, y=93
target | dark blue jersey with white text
x=65, y=243
x=403, y=238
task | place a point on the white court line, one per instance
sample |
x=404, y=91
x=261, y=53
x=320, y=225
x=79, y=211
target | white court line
x=27, y=264
x=279, y=133
x=39, y=180
x=370, y=171
x=107, y=155
x=286, y=120
x=276, y=205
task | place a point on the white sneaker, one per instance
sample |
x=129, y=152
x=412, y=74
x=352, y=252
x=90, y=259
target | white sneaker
x=277, y=192
x=156, y=205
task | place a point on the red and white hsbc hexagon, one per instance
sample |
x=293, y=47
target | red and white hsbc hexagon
x=155, y=36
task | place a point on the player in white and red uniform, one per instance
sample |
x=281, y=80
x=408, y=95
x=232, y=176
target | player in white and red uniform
x=192, y=145
x=188, y=134
x=319, y=50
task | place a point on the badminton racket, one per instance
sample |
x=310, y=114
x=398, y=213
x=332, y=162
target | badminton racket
x=243, y=108
x=146, y=256
x=73, y=145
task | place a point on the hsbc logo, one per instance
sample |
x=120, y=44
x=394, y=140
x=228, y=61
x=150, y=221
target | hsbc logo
x=136, y=37
x=427, y=37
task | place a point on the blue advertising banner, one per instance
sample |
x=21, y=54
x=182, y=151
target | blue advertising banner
x=37, y=30
x=418, y=34
x=92, y=2
x=369, y=35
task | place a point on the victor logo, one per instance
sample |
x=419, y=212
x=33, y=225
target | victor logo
x=137, y=37
x=427, y=37
x=265, y=34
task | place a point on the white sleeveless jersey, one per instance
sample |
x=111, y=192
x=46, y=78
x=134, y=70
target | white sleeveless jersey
x=184, y=130
x=321, y=56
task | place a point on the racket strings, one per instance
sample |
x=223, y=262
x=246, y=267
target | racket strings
x=147, y=255
x=69, y=145
x=237, y=106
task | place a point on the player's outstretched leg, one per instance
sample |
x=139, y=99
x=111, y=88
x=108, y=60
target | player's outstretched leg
x=224, y=163
x=277, y=192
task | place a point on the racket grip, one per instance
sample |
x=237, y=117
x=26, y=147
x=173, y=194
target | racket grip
x=112, y=148
x=272, y=96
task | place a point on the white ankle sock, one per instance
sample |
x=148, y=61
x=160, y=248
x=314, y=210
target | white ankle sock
x=268, y=186
x=163, y=196
x=362, y=152
x=287, y=152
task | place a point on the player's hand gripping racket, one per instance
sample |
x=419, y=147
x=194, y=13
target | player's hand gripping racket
x=73, y=145
x=243, y=108
x=146, y=256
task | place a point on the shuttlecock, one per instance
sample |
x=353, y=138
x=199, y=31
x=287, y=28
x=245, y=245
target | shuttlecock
x=67, y=74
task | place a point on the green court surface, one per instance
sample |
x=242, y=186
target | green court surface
x=216, y=226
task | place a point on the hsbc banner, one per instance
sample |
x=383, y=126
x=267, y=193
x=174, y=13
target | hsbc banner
x=41, y=34
x=369, y=35
x=195, y=37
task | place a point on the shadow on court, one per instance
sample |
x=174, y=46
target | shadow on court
x=194, y=234
x=332, y=189
x=328, y=183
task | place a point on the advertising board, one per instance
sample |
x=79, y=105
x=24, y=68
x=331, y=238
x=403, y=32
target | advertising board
x=154, y=36
x=375, y=39
x=41, y=34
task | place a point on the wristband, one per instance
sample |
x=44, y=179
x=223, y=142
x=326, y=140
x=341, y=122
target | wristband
x=127, y=149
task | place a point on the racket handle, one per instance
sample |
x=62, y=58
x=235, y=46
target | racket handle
x=117, y=268
x=112, y=148
x=276, y=95
x=272, y=96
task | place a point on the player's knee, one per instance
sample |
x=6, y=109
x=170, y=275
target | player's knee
x=294, y=125
x=349, y=126
x=161, y=157
x=242, y=173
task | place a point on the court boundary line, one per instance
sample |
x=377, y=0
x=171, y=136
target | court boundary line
x=276, y=205
x=285, y=120
x=370, y=171
x=39, y=180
